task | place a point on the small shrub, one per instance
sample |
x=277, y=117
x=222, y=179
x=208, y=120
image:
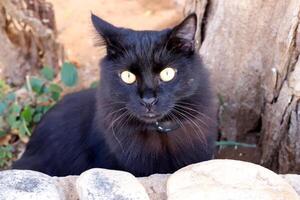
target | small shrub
x=21, y=109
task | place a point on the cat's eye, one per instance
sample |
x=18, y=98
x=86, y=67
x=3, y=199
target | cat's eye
x=167, y=74
x=128, y=77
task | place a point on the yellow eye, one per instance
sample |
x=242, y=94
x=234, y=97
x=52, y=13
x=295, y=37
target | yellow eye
x=128, y=77
x=167, y=74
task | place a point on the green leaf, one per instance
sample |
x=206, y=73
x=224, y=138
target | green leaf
x=55, y=96
x=22, y=131
x=69, y=74
x=48, y=73
x=55, y=91
x=16, y=124
x=15, y=108
x=5, y=154
x=94, y=84
x=11, y=96
x=46, y=108
x=11, y=119
x=2, y=122
x=45, y=90
x=37, y=117
x=39, y=109
x=3, y=87
x=25, y=127
x=234, y=143
x=2, y=133
x=27, y=114
x=221, y=99
x=2, y=84
x=2, y=108
x=43, y=99
x=36, y=85
x=55, y=88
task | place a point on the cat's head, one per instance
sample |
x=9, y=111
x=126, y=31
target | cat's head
x=146, y=73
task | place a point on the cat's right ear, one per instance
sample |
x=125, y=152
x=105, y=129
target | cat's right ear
x=182, y=37
x=108, y=34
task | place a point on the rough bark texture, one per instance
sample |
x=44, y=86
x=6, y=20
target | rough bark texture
x=252, y=49
x=27, y=38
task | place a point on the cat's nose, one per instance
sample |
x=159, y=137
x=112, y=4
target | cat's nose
x=149, y=100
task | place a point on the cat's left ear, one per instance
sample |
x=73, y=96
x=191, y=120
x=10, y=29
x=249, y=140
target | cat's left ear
x=182, y=37
x=109, y=34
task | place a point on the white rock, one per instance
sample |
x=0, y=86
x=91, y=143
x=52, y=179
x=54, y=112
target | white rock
x=97, y=184
x=228, y=180
x=294, y=181
x=27, y=185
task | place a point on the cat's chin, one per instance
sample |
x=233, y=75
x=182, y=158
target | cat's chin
x=150, y=119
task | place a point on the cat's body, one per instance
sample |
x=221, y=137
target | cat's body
x=151, y=121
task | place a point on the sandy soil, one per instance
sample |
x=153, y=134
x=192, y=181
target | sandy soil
x=78, y=36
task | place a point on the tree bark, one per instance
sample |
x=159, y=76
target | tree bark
x=252, y=49
x=27, y=38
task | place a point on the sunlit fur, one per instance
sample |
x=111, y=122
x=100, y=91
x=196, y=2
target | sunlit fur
x=108, y=127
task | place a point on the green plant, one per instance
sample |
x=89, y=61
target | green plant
x=223, y=144
x=5, y=154
x=21, y=109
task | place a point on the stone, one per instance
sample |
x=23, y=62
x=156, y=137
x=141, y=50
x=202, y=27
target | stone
x=28, y=185
x=293, y=180
x=228, y=180
x=155, y=185
x=68, y=186
x=97, y=184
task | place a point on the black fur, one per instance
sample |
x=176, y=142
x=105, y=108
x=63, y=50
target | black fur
x=108, y=127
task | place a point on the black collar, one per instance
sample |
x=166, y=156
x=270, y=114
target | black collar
x=164, y=127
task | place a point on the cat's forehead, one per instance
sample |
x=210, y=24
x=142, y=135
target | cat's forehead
x=145, y=46
x=145, y=39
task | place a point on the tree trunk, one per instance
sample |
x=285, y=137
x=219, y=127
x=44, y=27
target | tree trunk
x=252, y=49
x=27, y=38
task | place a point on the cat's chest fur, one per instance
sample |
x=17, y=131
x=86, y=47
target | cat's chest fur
x=144, y=152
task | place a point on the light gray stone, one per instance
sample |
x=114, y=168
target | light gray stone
x=97, y=184
x=156, y=186
x=294, y=181
x=228, y=180
x=28, y=185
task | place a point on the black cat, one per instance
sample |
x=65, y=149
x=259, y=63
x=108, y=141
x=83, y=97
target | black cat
x=153, y=111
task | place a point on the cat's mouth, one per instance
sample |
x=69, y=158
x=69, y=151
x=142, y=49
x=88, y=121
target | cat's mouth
x=151, y=117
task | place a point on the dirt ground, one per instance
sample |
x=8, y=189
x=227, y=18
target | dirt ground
x=78, y=36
